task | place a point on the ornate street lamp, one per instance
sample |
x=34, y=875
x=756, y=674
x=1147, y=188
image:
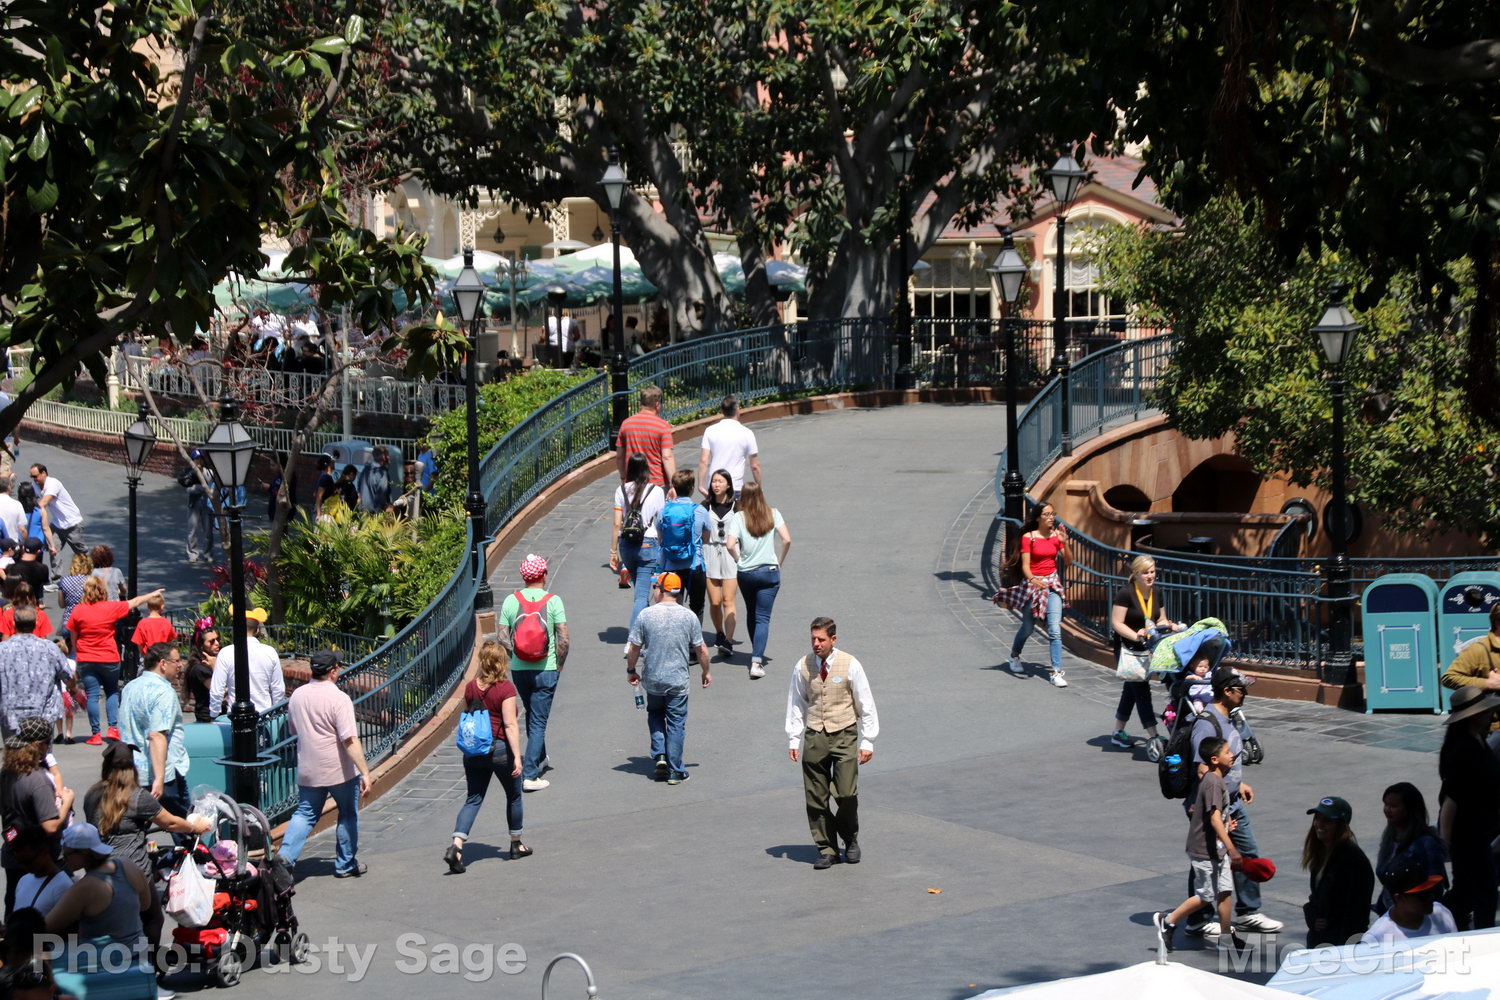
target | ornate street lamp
x=230, y=450
x=1065, y=177
x=614, y=183
x=1335, y=333
x=139, y=440
x=1010, y=272
x=903, y=152
x=468, y=294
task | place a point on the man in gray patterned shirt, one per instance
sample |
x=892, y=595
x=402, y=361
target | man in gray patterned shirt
x=30, y=670
x=672, y=636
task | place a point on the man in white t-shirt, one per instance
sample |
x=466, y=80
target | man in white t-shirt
x=729, y=445
x=63, y=515
x=1414, y=913
x=12, y=514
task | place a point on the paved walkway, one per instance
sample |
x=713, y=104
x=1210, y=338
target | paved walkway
x=1049, y=846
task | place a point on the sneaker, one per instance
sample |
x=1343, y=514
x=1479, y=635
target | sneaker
x=851, y=852
x=1015, y=666
x=677, y=777
x=1058, y=680
x=756, y=670
x=359, y=869
x=1155, y=747
x=534, y=784
x=1257, y=923
x=112, y=733
x=661, y=767
x=95, y=741
x=1120, y=738
x=1206, y=930
x=1164, y=930
x=825, y=861
x=1230, y=942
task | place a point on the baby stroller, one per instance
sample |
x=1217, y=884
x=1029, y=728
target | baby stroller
x=252, y=907
x=1170, y=661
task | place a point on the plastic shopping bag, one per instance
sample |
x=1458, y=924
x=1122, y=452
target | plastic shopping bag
x=190, y=895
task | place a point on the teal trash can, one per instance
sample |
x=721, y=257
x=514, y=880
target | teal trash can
x=207, y=742
x=1400, y=630
x=1464, y=613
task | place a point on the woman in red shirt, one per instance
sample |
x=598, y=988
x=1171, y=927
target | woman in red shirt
x=494, y=691
x=93, y=626
x=22, y=597
x=1043, y=553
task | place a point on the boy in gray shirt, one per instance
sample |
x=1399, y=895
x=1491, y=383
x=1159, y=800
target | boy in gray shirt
x=1210, y=851
x=672, y=637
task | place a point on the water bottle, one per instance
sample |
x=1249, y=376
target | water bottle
x=1174, y=763
x=640, y=697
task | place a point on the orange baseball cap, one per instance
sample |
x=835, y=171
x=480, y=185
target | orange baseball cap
x=670, y=582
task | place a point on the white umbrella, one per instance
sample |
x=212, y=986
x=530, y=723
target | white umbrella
x=1147, y=981
x=1448, y=966
x=565, y=245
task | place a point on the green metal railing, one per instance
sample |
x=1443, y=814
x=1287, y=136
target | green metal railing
x=399, y=684
x=1275, y=607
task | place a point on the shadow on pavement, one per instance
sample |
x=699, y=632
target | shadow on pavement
x=802, y=853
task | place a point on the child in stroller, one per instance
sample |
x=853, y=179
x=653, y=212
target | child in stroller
x=1190, y=689
x=252, y=908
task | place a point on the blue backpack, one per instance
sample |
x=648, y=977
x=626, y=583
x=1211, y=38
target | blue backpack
x=675, y=526
x=475, y=736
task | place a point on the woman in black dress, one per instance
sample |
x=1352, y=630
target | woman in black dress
x=1470, y=803
x=1338, y=912
x=1137, y=617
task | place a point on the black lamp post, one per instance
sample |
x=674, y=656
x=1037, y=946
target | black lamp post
x=902, y=152
x=1009, y=271
x=1066, y=176
x=614, y=183
x=230, y=450
x=468, y=293
x=1335, y=332
x=139, y=440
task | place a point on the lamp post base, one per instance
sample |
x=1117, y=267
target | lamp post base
x=906, y=378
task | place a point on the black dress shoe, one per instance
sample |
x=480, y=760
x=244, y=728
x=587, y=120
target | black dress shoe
x=454, y=856
x=851, y=852
x=825, y=861
x=359, y=869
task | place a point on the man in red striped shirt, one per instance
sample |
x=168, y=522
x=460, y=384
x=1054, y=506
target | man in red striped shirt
x=646, y=432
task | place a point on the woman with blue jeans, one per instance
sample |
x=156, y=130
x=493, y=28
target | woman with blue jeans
x=638, y=504
x=493, y=690
x=751, y=535
x=1042, y=555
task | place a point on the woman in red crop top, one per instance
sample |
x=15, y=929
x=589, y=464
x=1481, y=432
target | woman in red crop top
x=1044, y=552
x=493, y=689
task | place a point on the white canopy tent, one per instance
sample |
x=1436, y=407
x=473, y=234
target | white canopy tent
x=1445, y=967
x=1147, y=981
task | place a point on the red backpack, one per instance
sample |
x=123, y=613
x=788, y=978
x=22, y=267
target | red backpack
x=530, y=633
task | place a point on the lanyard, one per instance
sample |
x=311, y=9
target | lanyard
x=1145, y=602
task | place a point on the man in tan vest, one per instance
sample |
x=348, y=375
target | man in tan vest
x=832, y=725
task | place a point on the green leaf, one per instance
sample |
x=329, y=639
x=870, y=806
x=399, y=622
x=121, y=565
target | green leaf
x=42, y=199
x=354, y=29
x=333, y=45
x=39, y=144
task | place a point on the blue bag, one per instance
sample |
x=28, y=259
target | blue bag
x=475, y=736
x=675, y=526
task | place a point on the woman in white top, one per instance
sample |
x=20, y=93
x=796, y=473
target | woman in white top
x=720, y=569
x=753, y=532
x=638, y=504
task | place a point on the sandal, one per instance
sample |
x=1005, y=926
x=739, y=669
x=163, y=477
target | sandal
x=519, y=850
x=455, y=858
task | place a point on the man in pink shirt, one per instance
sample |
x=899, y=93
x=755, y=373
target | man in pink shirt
x=646, y=432
x=330, y=761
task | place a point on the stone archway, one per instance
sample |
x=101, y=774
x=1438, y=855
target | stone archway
x=1221, y=484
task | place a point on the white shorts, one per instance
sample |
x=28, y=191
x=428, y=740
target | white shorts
x=1211, y=879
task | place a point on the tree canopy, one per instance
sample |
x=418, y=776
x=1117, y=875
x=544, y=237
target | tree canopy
x=134, y=178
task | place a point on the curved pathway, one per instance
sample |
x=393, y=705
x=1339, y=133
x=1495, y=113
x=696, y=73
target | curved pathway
x=1050, y=847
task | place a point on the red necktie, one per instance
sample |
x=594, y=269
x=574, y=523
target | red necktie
x=823, y=671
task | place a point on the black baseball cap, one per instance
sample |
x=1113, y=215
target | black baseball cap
x=1227, y=677
x=33, y=544
x=324, y=661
